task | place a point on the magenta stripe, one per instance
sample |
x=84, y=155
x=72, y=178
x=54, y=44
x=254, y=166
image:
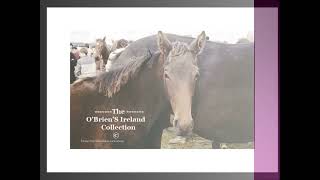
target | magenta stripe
x=266, y=90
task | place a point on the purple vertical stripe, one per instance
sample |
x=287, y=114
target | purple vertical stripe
x=266, y=90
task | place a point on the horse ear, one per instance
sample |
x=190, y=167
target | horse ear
x=104, y=38
x=198, y=44
x=163, y=43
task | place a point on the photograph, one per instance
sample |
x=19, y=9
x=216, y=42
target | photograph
x=161, y=78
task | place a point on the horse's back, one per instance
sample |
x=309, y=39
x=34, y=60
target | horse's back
x=225, y=95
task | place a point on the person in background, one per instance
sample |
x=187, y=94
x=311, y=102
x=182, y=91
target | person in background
x=119, y=44
x=73, y=63
x=75, y=53
x=90, y=52
x=117, y=48
x=86, y=66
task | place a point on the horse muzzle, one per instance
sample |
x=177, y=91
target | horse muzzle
x=184, y=129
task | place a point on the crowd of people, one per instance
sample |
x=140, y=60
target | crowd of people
x=84, y=60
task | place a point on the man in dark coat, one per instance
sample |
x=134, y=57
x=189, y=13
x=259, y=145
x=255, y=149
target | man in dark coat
x=73, y=63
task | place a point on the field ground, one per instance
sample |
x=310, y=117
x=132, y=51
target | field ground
x=171, y=141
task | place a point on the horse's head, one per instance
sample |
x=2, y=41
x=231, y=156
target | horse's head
x=101, y=49
x=100, y=44
x=180, y=73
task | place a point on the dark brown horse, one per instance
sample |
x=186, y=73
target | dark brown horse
x=102, y=54
x=135, y=86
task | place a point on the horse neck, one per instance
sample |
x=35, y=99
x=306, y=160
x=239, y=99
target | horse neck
x=105, y=53
x=137, y=87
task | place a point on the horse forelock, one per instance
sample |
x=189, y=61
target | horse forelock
x=110, y=82
x=178, y=48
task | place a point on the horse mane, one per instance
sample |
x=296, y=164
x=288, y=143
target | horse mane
x=109, y=83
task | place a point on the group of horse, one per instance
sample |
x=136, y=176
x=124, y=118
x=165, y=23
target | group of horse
x=207, y=86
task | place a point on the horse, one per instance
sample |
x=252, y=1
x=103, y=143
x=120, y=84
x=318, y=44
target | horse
x=219, y=83
x=134, y=86
x=102, y=54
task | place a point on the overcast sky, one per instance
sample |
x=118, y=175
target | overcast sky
x=220, y=24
